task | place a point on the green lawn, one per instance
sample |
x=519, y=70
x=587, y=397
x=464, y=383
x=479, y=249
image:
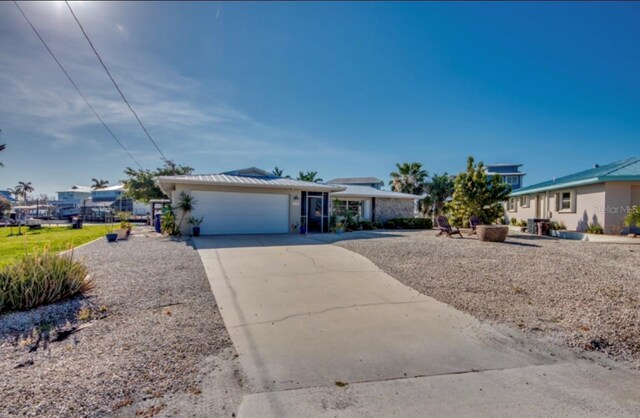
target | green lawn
x=57, y=238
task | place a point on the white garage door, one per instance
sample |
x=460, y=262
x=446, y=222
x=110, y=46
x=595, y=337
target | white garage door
x=242, y=213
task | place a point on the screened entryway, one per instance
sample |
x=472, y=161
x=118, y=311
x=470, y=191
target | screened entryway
x=315, y=212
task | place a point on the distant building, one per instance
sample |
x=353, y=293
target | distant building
x=510, y=173
x=374, y=182
x=7, y=195
x=69, y=201
x=106, y=200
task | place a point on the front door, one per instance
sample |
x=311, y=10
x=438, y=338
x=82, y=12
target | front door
x=540, y=206
x=314, y=215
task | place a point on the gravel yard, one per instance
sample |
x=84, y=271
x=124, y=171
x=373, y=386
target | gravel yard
x=586, y=295
x=143, y=333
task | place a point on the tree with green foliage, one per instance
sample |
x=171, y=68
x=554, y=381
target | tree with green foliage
x=25, y=188
x=141, y=184
x=99, y=184
x=410, y=178
x=2, y=148
x=440, y=188
x=279, y=173
x=5, y=206
x=309, y=176
x=476, y=194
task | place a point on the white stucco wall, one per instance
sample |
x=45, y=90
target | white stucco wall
x=294, y=206
x=606, y=204
x=587, y=201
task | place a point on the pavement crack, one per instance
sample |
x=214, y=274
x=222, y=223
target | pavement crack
x=322, y=311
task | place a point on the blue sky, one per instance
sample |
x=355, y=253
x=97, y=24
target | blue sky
x=345, y=89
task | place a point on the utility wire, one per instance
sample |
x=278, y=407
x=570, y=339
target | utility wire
x=115, y=84
x=75, y=85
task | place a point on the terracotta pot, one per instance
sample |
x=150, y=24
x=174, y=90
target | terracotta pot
x=492, y=233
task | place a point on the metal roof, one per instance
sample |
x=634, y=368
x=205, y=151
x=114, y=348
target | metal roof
x=366, y=191
x=356, y=180
x=246, y=181
x=624, y=170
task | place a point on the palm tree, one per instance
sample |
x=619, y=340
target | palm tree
x=309, y=176
x=277, y=172
x=99, y=184
x=25, y=188
x=2, y=148
x=15, y=191
x=410, y=178
x=440, y=188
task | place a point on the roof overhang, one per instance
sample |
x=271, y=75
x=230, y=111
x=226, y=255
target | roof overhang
x=583, y=182
x=168, y=184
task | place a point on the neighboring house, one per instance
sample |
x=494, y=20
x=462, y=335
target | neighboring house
x=7, y=195
x=253, y=201
x=70, y=200
x=602, y=195
x=106, y=200
x=372, y=204
x=510, y=173
x=374, y=182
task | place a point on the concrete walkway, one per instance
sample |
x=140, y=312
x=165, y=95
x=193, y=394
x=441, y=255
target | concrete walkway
x=308, y=317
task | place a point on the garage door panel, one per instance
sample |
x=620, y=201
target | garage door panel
x=242, y=213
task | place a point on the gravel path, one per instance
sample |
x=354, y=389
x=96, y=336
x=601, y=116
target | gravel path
x=586, y=295
x=153, y=322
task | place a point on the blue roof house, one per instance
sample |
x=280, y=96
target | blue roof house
x=510, y=173
x=602, y=195
x=7, y=195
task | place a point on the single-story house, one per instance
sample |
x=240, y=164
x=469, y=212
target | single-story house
x=602, y=195
x=254, y=201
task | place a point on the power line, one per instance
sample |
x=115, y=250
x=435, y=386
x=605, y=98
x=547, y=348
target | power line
x=114, y=83
x=75, y=85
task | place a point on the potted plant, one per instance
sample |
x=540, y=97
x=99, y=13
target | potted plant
x=195, y=225
x=111, y=235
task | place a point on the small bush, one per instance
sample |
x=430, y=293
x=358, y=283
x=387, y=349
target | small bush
x=40, y=278
x=633, y=217
x=522, y=223
x=595, y=229
x=366, y=225
x=409, y=223
x=514, y=221
x=558, y=226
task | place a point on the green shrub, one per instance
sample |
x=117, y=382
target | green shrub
x=558, y=226
x=168, y=224
x=409, y=223
x=366, y=225
x=522, y=223
x=41, y=277
x=378, y=225
x=633, y=217
x=514, y=221
x=595, y=229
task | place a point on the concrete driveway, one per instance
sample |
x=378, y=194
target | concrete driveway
x=308, y=317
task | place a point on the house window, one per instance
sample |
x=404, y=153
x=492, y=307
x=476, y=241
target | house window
x=512, y=180
x=524, y=201
x=565, y=201
x=511, y=204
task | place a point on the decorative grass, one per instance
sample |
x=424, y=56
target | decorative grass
x=56, y=238
x=41, y=277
